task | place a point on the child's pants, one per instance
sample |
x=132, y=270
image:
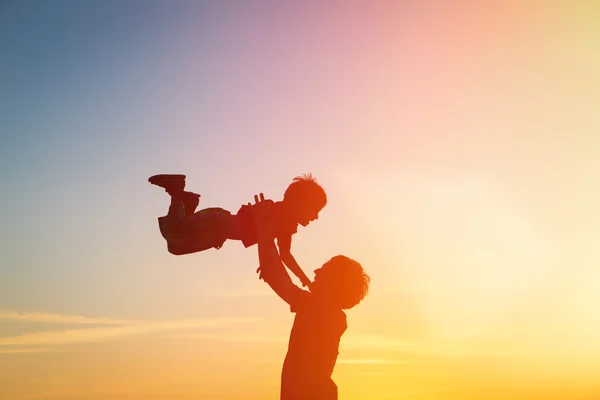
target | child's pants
x=203, y=230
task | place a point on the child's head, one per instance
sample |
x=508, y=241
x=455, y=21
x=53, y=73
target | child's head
x=342, y=281
x=305, y=198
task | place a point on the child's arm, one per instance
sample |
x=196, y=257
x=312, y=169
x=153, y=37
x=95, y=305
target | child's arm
x=285, y=245
x=271, y=268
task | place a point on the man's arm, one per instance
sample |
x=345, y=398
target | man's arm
x=285, y=244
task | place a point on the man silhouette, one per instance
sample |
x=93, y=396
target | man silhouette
x=320, y=321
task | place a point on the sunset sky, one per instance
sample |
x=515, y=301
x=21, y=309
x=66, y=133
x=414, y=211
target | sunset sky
x=457, y=141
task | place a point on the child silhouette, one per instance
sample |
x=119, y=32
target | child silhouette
x=189, y=231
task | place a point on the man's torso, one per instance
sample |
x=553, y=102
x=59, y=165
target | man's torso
x=312, y=352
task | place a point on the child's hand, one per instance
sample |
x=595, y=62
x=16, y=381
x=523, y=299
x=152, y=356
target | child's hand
x=306, y=282
x=261, y=211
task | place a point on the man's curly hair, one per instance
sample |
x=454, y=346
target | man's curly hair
x=352, y=281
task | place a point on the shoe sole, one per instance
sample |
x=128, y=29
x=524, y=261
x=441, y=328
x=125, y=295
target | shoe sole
x=155, y=178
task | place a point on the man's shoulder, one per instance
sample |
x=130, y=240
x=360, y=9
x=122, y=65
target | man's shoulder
x=310, y=303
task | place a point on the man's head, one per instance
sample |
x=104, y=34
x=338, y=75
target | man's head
x=342, y=281
x=305, y=198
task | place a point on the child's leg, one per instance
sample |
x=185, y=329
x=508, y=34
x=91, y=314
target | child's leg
x=175, y=226
x=204, y=230
x=182, y=203
x=176, y=208
x=182, y=208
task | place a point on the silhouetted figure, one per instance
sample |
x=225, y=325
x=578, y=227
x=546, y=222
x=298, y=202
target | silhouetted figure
x=187, y=231
x=320, y=321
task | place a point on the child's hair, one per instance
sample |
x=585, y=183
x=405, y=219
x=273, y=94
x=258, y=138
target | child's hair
x=352, y=283
x=305, y=190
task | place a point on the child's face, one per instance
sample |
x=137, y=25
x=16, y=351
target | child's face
x=308, y=214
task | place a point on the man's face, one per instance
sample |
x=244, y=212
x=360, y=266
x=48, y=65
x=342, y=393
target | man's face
x=323, y=278
x=317, y=283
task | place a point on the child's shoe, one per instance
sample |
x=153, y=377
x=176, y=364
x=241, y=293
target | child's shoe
x=173, y=184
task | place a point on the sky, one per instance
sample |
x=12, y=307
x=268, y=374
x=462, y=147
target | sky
x=457, y=142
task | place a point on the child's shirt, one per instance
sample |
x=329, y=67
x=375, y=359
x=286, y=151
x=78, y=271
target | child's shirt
x=284, y=226
x=313, y=349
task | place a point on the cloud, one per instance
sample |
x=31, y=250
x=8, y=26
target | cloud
x=122, y=330
x=367, y=361
x=25, y=350
x=358, y=361
x=378, y=345
x=241, y=338
x=378, y=342
x=59, y=318
x=239, y=293
x=437, y=348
